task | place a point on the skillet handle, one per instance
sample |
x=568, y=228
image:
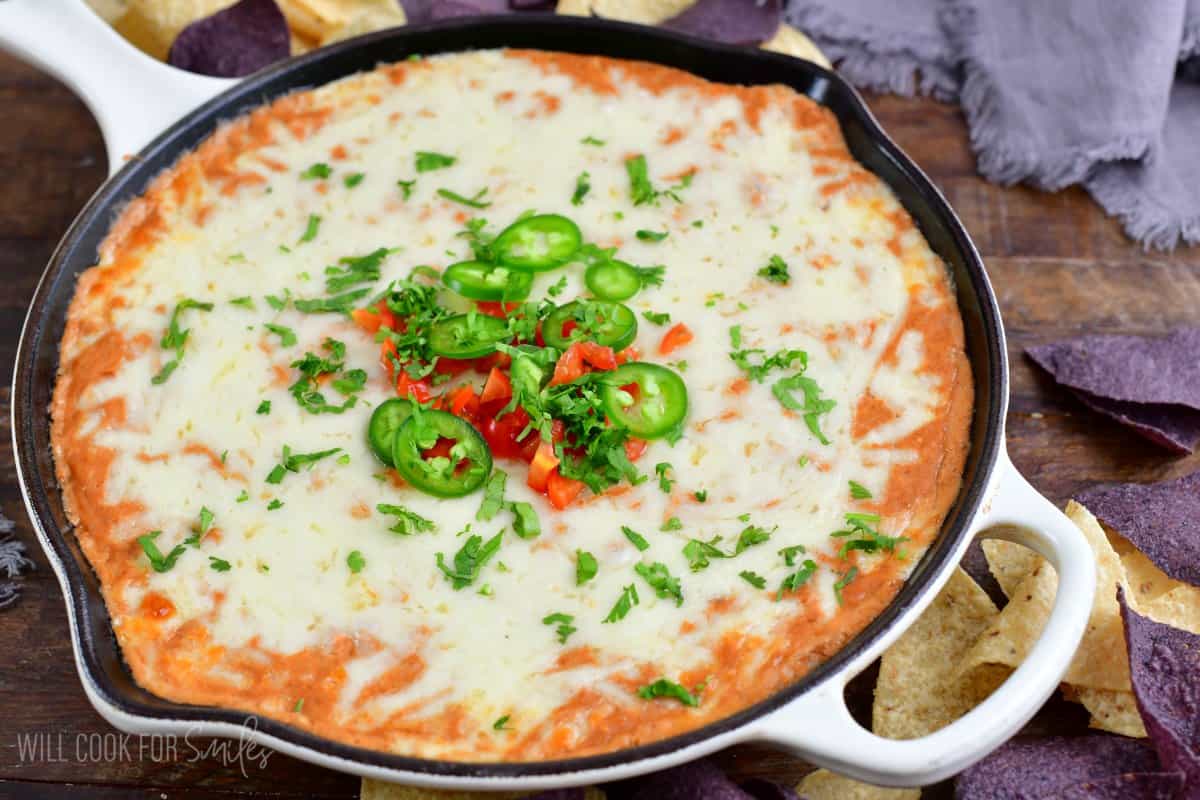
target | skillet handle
x=133, y=96
x=818, y=727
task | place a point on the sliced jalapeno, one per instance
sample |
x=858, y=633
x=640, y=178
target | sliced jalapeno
x=386, y=419
x=610, y=324
x=538, y=243
x=466, y=335
x=441, y=454
x=481, y=281
x=612, y=280
x=646, y=399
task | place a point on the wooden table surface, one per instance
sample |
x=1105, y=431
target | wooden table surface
x=1059, y=266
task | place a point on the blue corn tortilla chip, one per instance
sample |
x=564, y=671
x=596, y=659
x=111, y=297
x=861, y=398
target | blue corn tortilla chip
x=1134, y=786
x=1130, y=368
x=1164, y=668
x=1033, y=769
x=747, y=22
x=1160, y=519
x=418, y=11
x=1150, y=384
x=699, y=779
x=234, y=42
x=1174, y=427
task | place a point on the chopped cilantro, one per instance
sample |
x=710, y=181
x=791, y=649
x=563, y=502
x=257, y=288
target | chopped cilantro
x=353, y=179
x=669, y=689
x=355, y=269
x=292, y=462
x=299, y=706
x=407, y=522
x=559, y=286
x=776, y=271
x=664, y=483
x=586, y=567
x=627, y=600
x=176, y=337
x=701, y=495
x=274, y=504
x=593, y=141
x=641, y=190
x=469, y=560
x=661, y=581
x=219, y=564
x=338, y=304
x=159, y=562
x=673, y=524
x=406, y=188
x=753, y=578
x=564, y=629
x=352, y=381
x=279, y=303
x=750, y=536
x=798, y=578
x=813, y=406
x=287, y=336
x=493, y=495
x=843, y=582
x=789, y=554
x=501, y=723
x=636, y=538
x=525, y=520
x=311, y=228
x=583, y=185
x=658, y=318
x=474, y=201
x=243, y=302
x=698, y=553
x=651, y=236
x=355, y=562
x=317, y=171
x=859, y=492
x=861, y=535
x=243, y=497
x=427, y=162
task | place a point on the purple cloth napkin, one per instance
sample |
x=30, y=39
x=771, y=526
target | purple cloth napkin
x=1103, y=93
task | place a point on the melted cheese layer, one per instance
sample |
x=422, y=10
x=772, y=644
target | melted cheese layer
x=393, y=656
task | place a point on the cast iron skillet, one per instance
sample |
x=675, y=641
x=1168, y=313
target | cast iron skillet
x=809, y=716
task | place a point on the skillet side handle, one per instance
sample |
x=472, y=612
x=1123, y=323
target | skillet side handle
x=133, y=96
x=818, y=727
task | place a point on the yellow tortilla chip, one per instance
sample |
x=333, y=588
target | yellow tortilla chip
x=1115, y=712
x=367, y=16
x=825, y=785
x=646, y=12
x=1009, y=563
x=314, y=19
x=109, y=10
x=1100, y=662
x=791, y=42
x=152, y=25
x=378, y=790
x=920, y=687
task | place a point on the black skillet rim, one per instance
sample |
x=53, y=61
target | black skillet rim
x=92, y=632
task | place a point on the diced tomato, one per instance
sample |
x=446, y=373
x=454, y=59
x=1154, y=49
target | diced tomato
x=501, y=434
x=484, y=364
x=498, y=387
x=440, y=449
x=371, y=321
x=407, y=387
x=562, y=491
x=387, y=351
x=634, y=448
x=494, y=308
x=451, y=366
x=678, y=336
x=464, y=403
x=571, y=364
x=630, y=353
x=544, y=462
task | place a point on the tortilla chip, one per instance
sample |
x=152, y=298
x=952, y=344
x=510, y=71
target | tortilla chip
x=920, y=687
x=1176, y=428
x=1164, y=664
x=152, y=25
x=1056, y=767
x=379, y=790
x=1100, y=662
x=1115, y=712
x=1179, y=608
x=825, y=785
x=1158, y=518
x=791, y=42
x=729, y=21
x=237, y=41
x=315, y=19
x=368, y=16
x=1009, y=563
x=646, y=12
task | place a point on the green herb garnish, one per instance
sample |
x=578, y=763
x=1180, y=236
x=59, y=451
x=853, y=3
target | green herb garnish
x=586, y=567
x=636, y=538
x=563, y=621
x=427, y=162
x=627, y=600
x=776, y=271
x=669, y=689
